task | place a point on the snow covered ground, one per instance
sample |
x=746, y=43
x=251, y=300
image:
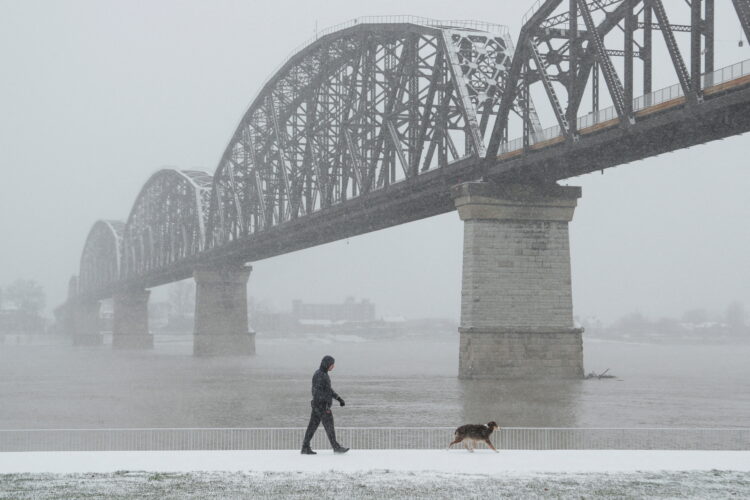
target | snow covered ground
x=458, y=460
x=373, y=485
x=376, y=474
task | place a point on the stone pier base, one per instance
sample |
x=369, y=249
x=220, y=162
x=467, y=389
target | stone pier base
x=130, y=320
x=84, y=323
x=221, y=327
x=516, y=299
x=520, y=354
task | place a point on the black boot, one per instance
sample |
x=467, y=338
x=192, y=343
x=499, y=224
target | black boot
x=306, y=450
x=340, y=449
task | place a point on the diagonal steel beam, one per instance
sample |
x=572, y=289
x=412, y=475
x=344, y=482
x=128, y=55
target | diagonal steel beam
x=261, y=201
x=510, y=93
x=341, y=141
x=571, y=114
x=255, y=173
x=610, y=75
x=392, y=96
x=437, y=72
x=686, y=28
x=393, y=134
x=235, y=197
x=588, y=60
x=673, y=49
x=281, y=151
x=742, y=7
x=628, y=55
x=356, y=157
x=309, y=153
x=541, y=67
x=465, y=104
x=695, y=46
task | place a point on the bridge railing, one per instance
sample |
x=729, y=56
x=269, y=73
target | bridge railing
x=640, y=103
x=513, y=438
x=727, y=74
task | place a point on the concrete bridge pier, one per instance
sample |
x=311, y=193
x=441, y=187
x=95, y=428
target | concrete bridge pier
x=130, y=320
x=516, y=301
x=221, y=326
x=83, y=322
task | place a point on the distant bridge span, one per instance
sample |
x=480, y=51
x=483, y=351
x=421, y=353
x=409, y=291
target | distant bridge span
x=372, y=125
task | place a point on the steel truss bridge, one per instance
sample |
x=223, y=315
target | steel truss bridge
x=369, y=125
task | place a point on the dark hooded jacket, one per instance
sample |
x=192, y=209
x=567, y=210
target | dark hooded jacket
x=322, y=393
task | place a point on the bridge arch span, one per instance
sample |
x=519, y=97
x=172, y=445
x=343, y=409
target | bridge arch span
x=167, y=222
x=356, y=111
x=101, y=257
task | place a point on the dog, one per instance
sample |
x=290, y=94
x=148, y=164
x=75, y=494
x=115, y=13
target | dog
x=474, y=433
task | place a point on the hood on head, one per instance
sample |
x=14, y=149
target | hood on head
x=326, y=362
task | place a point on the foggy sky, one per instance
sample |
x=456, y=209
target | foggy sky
x=95, y=96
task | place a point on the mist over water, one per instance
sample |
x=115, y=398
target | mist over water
x=410, y=382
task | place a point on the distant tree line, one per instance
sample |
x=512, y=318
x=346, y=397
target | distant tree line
x=694, y=324
x=21, y=306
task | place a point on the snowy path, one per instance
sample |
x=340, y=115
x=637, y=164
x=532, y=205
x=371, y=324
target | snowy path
x=375, y=475
x=455, y=461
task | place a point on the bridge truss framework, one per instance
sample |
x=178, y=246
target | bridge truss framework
x=369, y=126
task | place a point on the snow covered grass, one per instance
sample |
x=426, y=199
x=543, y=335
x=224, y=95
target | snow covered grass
x=375, y=474
x=374, y=485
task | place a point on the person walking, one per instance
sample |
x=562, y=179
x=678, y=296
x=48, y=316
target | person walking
x=322, y=398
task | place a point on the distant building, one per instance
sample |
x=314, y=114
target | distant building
x=349, y=311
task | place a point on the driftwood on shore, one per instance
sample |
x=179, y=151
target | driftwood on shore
x=600, y=375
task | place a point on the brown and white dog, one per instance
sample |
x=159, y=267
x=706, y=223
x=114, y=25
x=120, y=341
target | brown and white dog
x=474, y=433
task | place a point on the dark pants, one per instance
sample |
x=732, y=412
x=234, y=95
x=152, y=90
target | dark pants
x=317, y=416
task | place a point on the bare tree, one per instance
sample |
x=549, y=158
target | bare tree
x=182, y=297
x=27, y=295
x=735, y=316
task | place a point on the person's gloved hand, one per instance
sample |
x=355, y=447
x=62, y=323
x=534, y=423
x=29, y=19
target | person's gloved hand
x=341, y=401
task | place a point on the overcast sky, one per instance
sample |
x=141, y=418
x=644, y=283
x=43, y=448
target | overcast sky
x=95, y=96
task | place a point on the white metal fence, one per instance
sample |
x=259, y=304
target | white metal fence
x=514, y=438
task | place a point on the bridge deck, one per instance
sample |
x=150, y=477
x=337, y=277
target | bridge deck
x=662, y=127
x=668, y=123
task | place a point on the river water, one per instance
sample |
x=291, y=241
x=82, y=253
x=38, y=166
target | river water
x=408, y=382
